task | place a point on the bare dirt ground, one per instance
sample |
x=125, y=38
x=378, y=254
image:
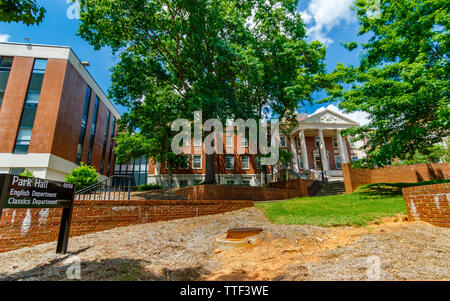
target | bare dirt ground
x=185, y=250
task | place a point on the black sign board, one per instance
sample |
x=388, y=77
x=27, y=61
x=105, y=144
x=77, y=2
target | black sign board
x=24, y=192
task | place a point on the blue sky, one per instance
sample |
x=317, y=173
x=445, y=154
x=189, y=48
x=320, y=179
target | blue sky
x=330, y=21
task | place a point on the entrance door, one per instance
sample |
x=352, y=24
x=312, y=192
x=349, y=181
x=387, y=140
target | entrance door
x=317, y=163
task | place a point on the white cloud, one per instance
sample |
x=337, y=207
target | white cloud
x=4, y=37
x=358, y=116
x=323, y=15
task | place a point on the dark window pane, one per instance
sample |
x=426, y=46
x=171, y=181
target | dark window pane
x=29, y=110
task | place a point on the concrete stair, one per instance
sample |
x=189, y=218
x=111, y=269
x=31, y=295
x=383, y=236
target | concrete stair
x=332, y=188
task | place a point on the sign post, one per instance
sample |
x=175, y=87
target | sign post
x=24, y=192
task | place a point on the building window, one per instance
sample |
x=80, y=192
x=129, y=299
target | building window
x=30, y=107
x=184, y=163
x=229, y=140
x=229, y=162
x=87, y=101
x=93, y=128
x=258, y=162
x=354, y=158
x=5, y=69
x=246, y=182
x=111, y=155
x=197, y=182
x=244, y=142
x=337, y=160
x=16, y=171
x=283, y=141
x=245, y=162
x=183, y=183
x=197, y=162
x=300, y=162
x=230, y=182
x=105, y=140
x=352, y=144
x=335, y=143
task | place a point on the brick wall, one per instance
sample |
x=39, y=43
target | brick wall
x=429, y=203
x=302, y=185
x=26, y=227
x=355, y=177
x=235, y=192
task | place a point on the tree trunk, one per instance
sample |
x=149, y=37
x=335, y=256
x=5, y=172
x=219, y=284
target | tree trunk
x=210, y=173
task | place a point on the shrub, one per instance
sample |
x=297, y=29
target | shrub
x=27, y=173
x=83, y=176
x=145, y=187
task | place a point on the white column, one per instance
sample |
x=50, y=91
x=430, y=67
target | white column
x=323, y=151
x=342, y=149
x=294, y=154
x=304, y=151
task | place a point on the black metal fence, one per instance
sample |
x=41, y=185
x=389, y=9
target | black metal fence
x=115, y=188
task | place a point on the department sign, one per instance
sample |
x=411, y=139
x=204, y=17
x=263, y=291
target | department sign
x=23, y=192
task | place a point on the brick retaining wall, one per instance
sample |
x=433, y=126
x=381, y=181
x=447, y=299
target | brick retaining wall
x=429, y=203
x=26, y=227
x=355, y=177
x=302, y=185
x=235, y=192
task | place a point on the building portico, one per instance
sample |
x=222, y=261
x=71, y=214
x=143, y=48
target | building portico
x=320, y=143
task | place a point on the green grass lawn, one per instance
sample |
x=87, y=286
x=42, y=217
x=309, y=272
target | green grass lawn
x=368, y=203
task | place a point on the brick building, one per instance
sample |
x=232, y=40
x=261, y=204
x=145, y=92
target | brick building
x=53, y=115
x=315, y=134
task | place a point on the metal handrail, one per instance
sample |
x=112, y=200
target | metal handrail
x=112, y=188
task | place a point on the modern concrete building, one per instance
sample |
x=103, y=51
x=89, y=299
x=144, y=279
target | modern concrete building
x=53, y=115
x=316, y=141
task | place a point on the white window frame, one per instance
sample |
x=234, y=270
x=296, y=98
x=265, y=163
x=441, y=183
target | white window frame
x=335, y=143
x=228, y=168
x=300, y=161
x=337, y=158
x=244, y=141
x=248, y=162
x=230, y=138
x=285, y=141
x=352, y=144
x=201, y=162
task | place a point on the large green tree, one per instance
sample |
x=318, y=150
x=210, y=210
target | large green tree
x=26, y=11
x=227, y=58
x=403, y=78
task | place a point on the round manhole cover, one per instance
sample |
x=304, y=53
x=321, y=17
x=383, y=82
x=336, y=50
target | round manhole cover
x=240, y=233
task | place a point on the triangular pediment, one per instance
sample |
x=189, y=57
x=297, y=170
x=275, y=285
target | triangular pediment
x=328, y=117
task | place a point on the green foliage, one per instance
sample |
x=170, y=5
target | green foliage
x=27, y=173
x=180, y=56
x=83, y=176
x=26, y=11
x=285, y=156
x=402, y=81
x=434, y=154
x=145, y=187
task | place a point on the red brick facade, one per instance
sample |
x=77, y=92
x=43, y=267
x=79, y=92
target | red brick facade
x=429, y=203
x=57, y=122
x=26, y=227
x=235, y=192
x=355, y=177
